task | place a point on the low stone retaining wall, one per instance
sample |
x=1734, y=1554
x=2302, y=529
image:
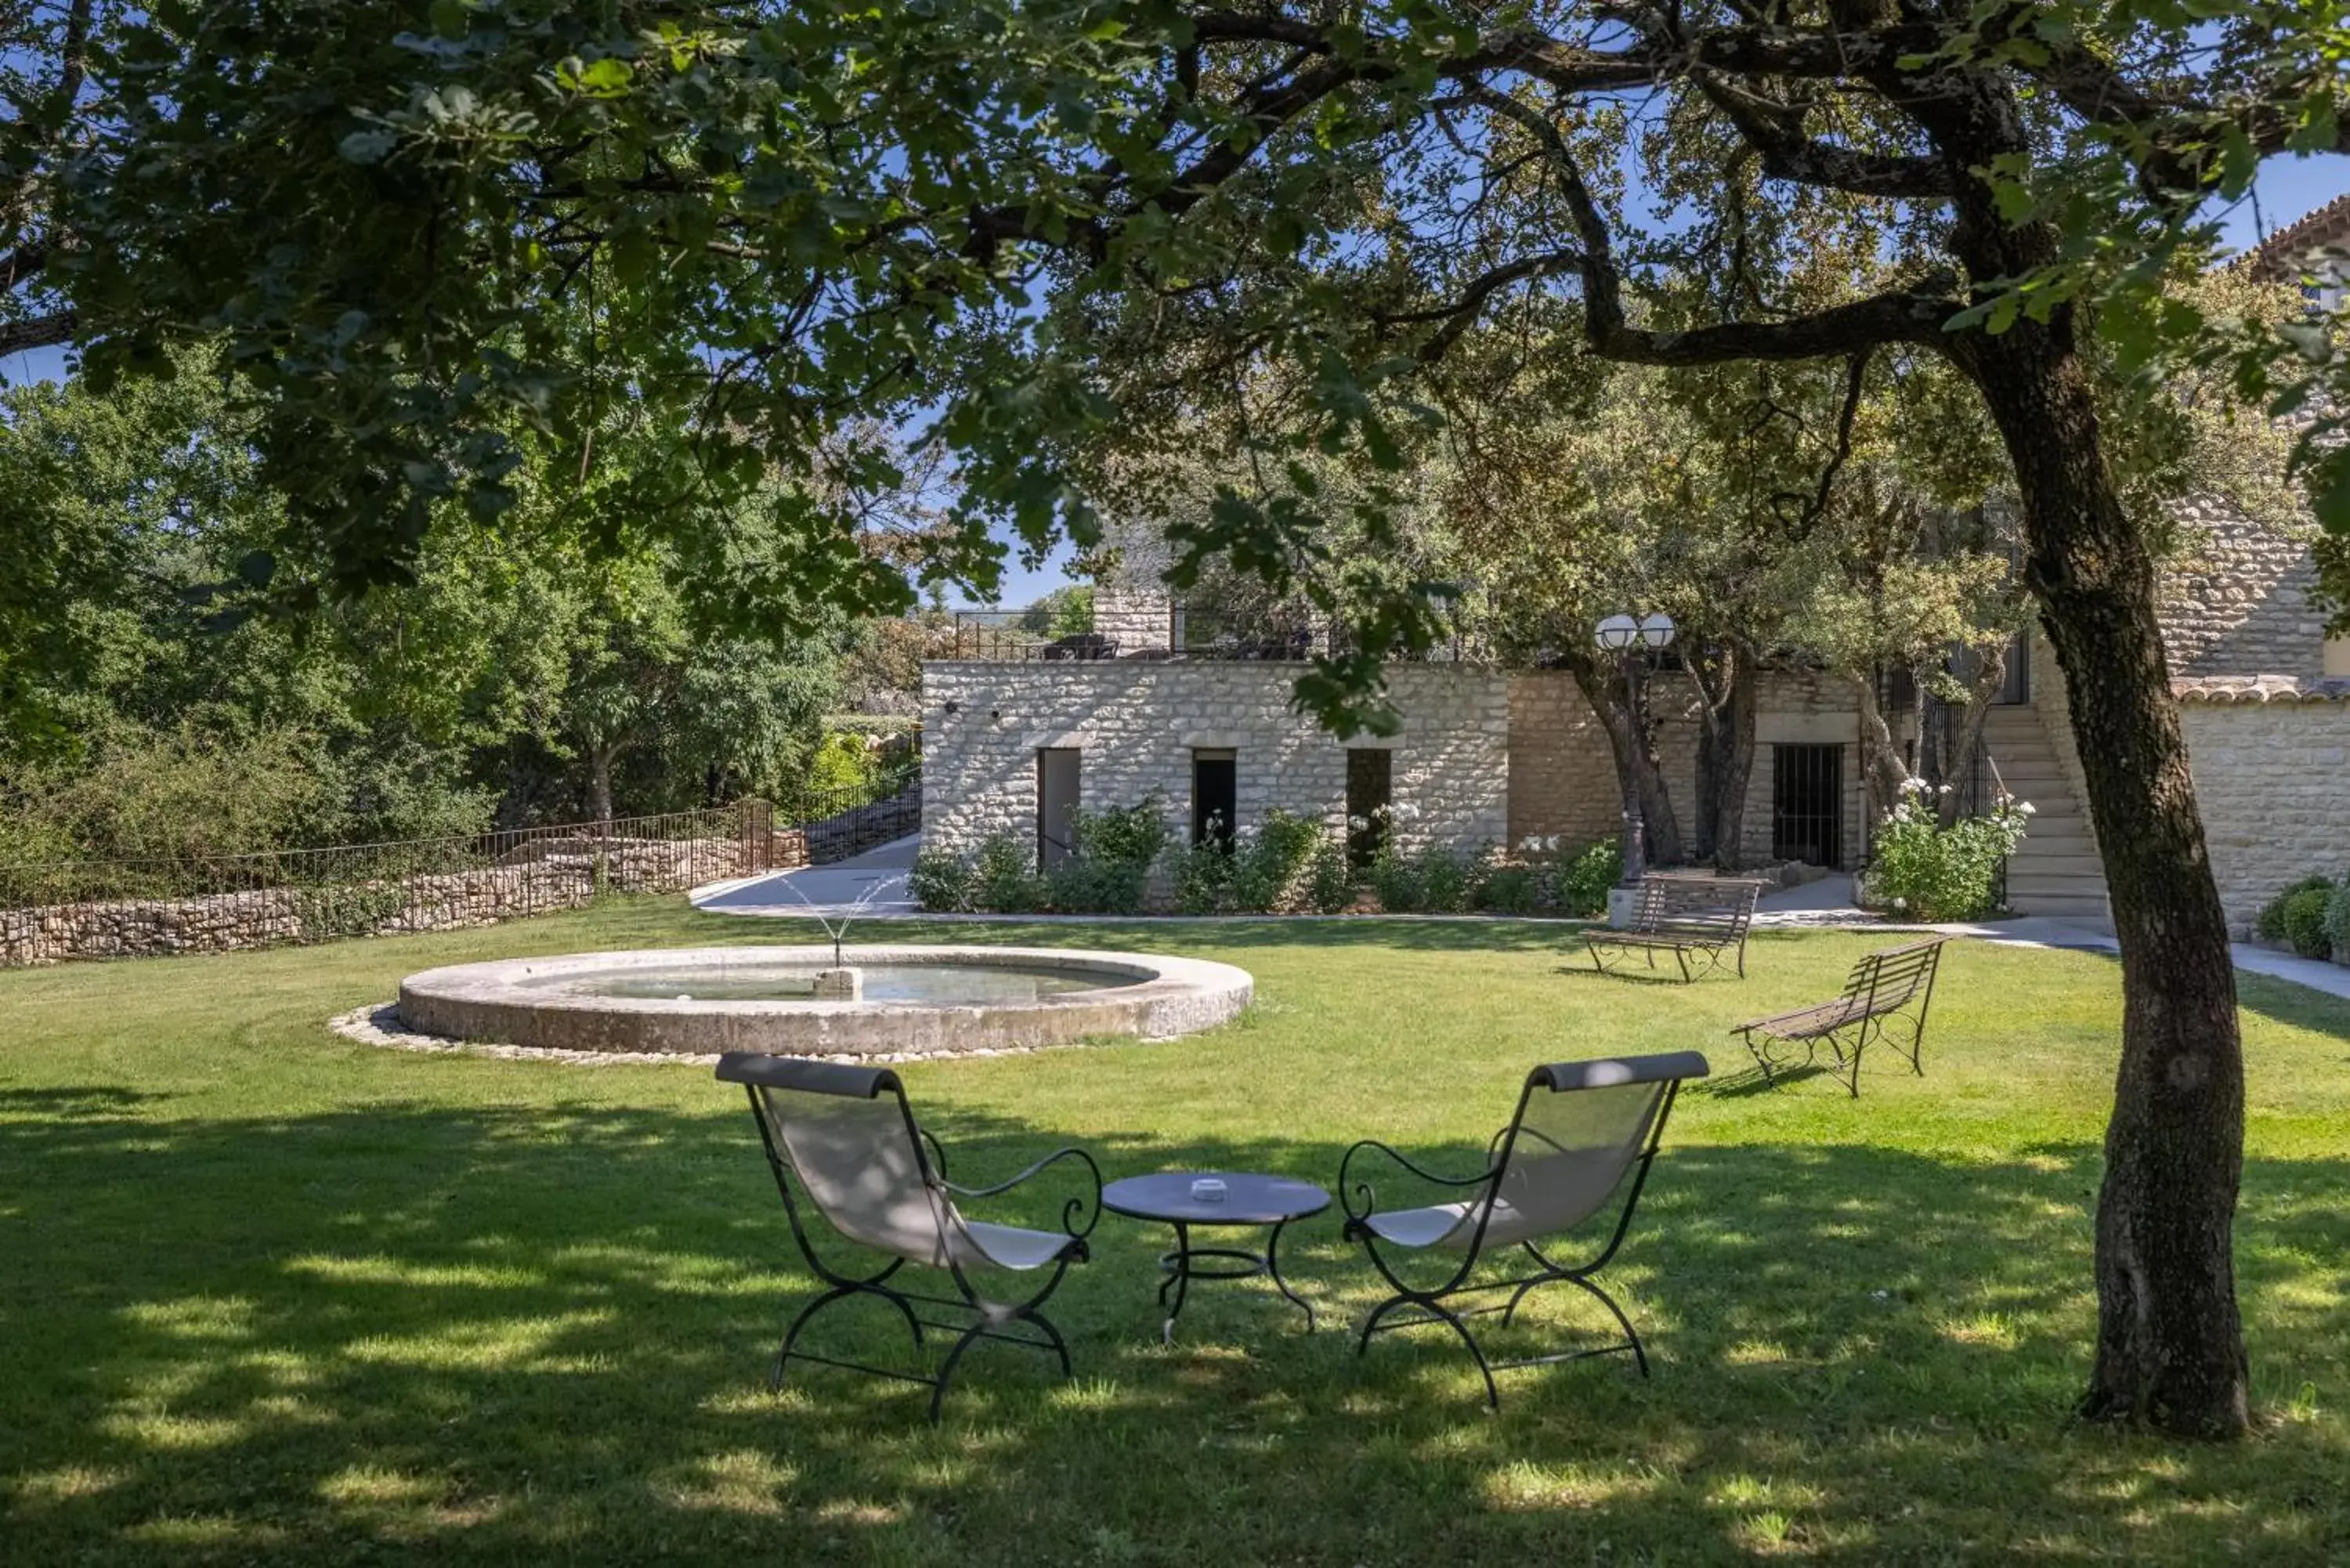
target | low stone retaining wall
x=543, y=877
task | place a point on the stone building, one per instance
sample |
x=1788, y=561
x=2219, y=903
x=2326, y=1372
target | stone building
x=1150, y=701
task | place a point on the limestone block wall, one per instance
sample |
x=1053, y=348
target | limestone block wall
x=1137, y=723
x=2271, y=765
x=1135, y=619
x=1563, y=775
x=1561, y=771
x=2238, y=601
x=1802, y=707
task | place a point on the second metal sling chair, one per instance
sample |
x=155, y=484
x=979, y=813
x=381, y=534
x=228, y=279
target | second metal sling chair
x=1583, y=1132
x=843, y=1145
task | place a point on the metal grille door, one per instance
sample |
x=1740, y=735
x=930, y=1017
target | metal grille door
x=1807, y=805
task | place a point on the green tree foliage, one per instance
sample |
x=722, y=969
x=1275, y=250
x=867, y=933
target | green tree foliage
x=524, y=672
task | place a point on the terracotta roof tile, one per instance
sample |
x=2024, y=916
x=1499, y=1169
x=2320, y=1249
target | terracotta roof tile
x=2262, y=688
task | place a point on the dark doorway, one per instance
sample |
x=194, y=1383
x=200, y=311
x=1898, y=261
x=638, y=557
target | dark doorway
x=1807, y=805
x=1056, y=804
x=1215, y=797
x=1370, y=783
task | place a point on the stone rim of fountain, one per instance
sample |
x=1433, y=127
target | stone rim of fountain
x=1156, y=996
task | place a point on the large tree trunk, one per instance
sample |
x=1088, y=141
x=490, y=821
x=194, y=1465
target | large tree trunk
x=599, y=761
x=1883, y=772
x=1724, y=678
x=1639, y=771
x=2170, y=1345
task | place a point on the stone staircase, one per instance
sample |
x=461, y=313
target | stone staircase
x=2056, y=871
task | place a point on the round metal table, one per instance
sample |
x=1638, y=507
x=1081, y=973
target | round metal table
x=1249, y=1199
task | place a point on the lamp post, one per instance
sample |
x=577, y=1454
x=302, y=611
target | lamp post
x=1626, y=636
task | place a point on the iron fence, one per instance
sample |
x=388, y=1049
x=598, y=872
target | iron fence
x=1279, y=634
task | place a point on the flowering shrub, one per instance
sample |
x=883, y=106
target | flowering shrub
x=1924, y=871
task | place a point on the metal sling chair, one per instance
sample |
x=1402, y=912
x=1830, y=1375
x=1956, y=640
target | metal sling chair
x=1581, y=1129
x=845, y=1138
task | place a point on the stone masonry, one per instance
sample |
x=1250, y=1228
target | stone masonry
x=1562, y=772
x=2270, y=757
x=2240, y=601
x=1136, y=723
x=560, y=875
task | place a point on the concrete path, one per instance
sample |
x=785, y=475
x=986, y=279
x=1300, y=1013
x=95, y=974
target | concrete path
x=871, y=884
x=1828, y=903
x=874, y=884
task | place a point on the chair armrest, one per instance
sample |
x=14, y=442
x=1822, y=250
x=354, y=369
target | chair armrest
x=938, y=1153
x=1086, y=1207
x=1348, y=1191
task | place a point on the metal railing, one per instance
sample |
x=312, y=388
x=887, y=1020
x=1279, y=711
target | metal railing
x=1275, y=634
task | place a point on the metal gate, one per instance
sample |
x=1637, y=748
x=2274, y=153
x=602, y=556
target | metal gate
x=1807, y=805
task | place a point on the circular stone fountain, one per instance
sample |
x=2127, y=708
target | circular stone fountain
x=809, y=1002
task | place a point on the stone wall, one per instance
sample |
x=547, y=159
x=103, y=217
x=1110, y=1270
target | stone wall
x=555, y=874
x=1562, y=774
x=2272, y=764
x=2239, y=600
x=1134, y=618
x=1562, y=770
x=1136, y=723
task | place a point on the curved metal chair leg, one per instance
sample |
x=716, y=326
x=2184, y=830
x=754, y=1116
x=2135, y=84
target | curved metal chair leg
x=1371, y=1324
x=1521, y=1293
x=792, y=1335
x=1060, y=1345
x=1492, y=1393
x=946, y=1369
x=1639, y=1355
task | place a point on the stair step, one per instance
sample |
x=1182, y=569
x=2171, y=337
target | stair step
x=2060, y=907
x=2069, y=863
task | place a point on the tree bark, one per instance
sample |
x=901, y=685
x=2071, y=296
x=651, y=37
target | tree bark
x=1724, y=677
x=599, y=782
x=1882, y=771
x=2170, y=1347
x=1639, y=771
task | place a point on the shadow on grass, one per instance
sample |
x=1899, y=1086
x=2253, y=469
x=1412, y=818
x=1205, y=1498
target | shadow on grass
x=501, y=1335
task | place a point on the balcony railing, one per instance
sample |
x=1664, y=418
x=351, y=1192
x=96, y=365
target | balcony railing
x=1178, y=632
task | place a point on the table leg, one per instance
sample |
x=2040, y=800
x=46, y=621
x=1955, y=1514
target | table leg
x=1181, y=1280
x=1273, y=1267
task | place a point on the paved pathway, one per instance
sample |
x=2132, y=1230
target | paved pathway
x=871, y=884
x=874, y=885
x=1828, y=903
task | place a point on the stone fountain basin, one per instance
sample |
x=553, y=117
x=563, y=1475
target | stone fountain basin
x=525, y=1002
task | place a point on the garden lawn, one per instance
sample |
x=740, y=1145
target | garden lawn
x=267, y=1296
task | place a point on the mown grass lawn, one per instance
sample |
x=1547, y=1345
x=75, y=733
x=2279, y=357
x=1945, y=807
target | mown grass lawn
x=266, y=1296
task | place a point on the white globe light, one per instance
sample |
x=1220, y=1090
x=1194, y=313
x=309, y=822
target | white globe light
x=1656, y=630
x=1618, y=632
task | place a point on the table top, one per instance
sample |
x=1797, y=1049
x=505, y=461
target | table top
x=1249, y=1198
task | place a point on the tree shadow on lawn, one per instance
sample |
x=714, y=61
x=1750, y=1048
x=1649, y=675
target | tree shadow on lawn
x=498, y=1336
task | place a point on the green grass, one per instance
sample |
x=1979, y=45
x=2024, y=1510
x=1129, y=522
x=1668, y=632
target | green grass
x=266, y=1296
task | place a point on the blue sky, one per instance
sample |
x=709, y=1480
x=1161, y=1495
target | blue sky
x=2288, y=188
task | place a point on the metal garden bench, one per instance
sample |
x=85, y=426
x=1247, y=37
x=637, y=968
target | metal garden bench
x=1583, y=1132
x=1884, y=998
x=1704, y=917
x=845, y=1135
